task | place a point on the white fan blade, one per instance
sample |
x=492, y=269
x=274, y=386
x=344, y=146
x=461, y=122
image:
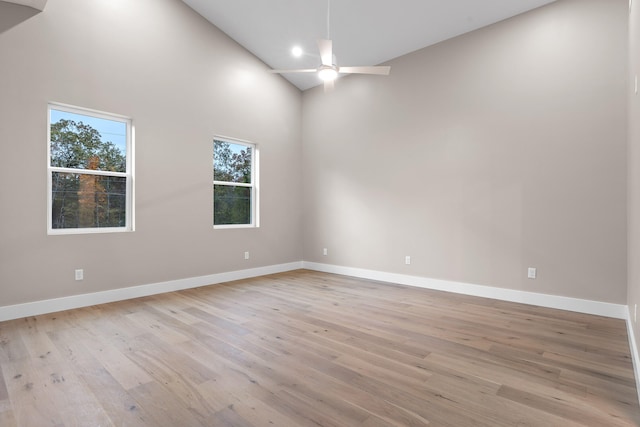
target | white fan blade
x=326, y=51
x=300, y=70
x=328, y=85
x=382, y=70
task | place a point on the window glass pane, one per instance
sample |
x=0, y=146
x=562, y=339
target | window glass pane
x=88, y=201
x=231, y=205
x=231, y=162
x=79, y=141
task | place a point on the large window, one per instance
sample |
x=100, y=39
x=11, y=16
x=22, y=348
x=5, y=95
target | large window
x=235, y=194
x=89, y=172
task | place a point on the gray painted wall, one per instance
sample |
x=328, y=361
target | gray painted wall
x=479, y=157
x=182, y=81
x=634, y=167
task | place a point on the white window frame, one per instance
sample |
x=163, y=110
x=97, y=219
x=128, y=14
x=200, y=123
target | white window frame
x=128, y=175
x=255, y=167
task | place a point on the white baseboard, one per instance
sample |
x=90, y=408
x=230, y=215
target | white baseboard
x=635, y=357
x=618, y=311
x=17, y=311
x=84, y=300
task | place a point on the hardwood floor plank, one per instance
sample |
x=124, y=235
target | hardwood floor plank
x=562, y=408
x=228, y=417
x=121, y=408
x=607, y=389
x=363, y=404
x=248, y=405
x=149, y=322
x=4, y=393
x=174, y=307
x=51, y=395
x=7, y=419
x=121, y=368
x=165, y=408
x=12, y=347
x=575, y=362
x=482, y=399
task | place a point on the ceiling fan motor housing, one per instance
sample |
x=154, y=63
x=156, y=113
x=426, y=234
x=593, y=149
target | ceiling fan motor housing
x=328, y=72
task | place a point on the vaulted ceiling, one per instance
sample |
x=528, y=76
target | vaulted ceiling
x=364, y=32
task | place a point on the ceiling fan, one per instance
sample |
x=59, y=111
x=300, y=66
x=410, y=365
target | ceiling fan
x=328, y=70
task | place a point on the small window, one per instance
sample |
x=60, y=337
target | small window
x=234, y=183
x=89, y=171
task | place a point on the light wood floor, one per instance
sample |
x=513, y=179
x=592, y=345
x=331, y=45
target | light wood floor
x=312, y=349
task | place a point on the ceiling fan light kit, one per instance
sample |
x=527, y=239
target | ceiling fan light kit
x=328, y=71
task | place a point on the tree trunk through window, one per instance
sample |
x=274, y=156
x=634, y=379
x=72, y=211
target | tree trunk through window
x=90, y=195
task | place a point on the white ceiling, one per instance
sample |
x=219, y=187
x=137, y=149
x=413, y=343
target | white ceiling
x=364, y=32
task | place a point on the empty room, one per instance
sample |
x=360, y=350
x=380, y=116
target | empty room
x=319, y=213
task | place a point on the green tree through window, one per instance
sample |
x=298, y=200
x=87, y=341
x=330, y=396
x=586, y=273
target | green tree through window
x=79, y=146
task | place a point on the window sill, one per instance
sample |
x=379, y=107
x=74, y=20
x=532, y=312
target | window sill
x=70, y=231
x=233, y=226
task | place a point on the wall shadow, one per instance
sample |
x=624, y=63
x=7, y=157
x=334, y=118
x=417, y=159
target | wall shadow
x=13, y=14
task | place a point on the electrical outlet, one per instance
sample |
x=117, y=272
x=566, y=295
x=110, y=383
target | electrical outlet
x=407, y=260
x=246, y=255
x=80, y=274
x=532, y=272
x=325, y=252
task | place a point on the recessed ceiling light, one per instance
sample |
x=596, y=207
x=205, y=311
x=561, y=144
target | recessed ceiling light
x=296, y=51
